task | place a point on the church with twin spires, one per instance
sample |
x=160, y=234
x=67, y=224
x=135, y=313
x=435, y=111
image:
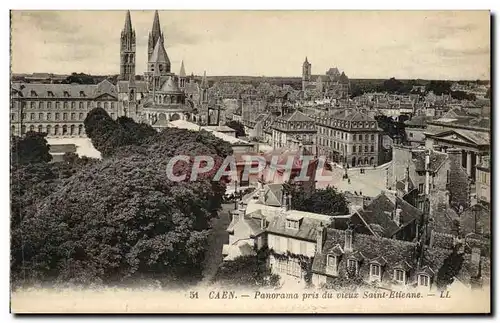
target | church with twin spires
x=161, y=96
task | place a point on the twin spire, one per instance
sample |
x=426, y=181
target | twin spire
x=157, y=52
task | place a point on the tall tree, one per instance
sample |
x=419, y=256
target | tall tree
x=32, y=148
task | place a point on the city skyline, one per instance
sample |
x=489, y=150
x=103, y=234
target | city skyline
x=403, y=44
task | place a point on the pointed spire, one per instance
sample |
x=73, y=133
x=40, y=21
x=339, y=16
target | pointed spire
x=306, y=60
x=128, y=23
x=204, y=83
x=156, y=31
x=159, y=54
x=182, y=72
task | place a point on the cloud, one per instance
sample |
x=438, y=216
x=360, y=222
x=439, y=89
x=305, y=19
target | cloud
x=450, y=52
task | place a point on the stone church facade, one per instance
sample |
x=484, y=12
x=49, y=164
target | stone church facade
x=162, y=96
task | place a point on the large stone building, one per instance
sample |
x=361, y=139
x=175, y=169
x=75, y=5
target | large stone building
x=333, y=84
x=351, y=137
x=60, y=109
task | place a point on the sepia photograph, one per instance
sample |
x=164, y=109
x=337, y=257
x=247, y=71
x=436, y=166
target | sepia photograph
x=244, y=161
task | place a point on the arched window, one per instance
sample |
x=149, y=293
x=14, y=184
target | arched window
x=13, y=129
x=56, y=129
x=40, y=128
x=105, y=105
x=49, y=128
x=80, y=129
x=72, y=130
x=80, y=116
x=353, y=161
x=65, y=130
x=23, y=130
x=32, y=128
x=372, y=149
x=372, y=137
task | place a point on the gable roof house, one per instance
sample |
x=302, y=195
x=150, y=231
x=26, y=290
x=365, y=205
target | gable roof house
x=387, y=263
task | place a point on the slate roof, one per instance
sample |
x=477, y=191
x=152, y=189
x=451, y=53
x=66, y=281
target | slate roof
x=170, y=86
x=308, y=228
x=140, y=86
x=252, y=220
x=442, y=219
x=64, y=90
x=159, y=54
x=436, y=160
x=395, y=253
x=418, y=121
x=273, y=195
x=296, y=116
x=380, y=210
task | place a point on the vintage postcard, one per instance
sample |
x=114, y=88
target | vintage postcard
x=250, y=162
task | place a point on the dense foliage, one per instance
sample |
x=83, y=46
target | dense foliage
x=119, y=219
x=32, y=148
x=324, y=201
x=246, y=271
x=238, y=126
x=392, y=128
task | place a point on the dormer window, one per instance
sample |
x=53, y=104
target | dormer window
x=292, y=224
x=66, y=94
x=82, y=94
x=423, y=280
x=331, y=264
x=399, y=276
x=375, y=272
x=33, y=93
x=50, y=94
x=352, y=264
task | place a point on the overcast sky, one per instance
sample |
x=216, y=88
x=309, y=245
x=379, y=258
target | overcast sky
x=364, y=44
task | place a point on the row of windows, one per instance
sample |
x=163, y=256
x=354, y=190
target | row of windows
x=347, y=124
x=53, y=130
x=360, y=149
x=57, y=116
x=289, y=266
x=399, y=275
x=64, y=104
x=340, y=146
x=337, y=134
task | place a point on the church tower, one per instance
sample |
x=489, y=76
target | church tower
x=155, y=34
x=306, y=74
x=127, y=50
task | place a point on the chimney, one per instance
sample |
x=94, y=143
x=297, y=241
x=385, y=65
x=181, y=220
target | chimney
x=348, y=239
x=263, y=223
x=397, y=216
x=475, y=263
x=427, y=168
x=320, y=238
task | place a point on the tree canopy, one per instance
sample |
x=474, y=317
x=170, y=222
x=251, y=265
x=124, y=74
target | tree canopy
x=238, y=126
x=118, y=219
x=324, y=201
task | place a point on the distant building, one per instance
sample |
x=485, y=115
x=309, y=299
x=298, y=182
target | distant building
x=351, y=137
x=331, y=85
x=60, y=109
x=292, y=130
x=483, y=181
